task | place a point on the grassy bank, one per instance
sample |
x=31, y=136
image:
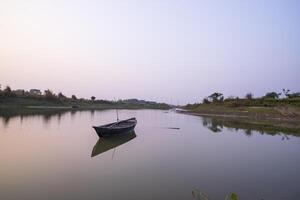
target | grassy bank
x=281, y=112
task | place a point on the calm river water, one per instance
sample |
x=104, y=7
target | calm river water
x=58, y=156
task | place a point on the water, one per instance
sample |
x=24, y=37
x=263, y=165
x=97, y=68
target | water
x=53, y=156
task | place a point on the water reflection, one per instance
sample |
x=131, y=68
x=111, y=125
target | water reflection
x=47, y=114
x=217, y=125
x=6, y=115
x=106, y=144
x=156, y=165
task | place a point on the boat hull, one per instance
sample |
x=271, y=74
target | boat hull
x=116, y=128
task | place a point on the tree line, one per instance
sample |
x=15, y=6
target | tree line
x=269, y=99
x=7, y=95
x=47, y=94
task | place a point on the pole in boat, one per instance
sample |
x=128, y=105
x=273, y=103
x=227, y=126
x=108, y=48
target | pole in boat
x=117, y=111
x=117, y=114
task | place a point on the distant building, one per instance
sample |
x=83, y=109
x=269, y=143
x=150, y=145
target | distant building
x=35, y=92
x=19, y=92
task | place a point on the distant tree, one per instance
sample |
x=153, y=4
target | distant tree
x=49, y=94
x=286, y=92
x=93, y=98
x=74, y=97
x=215, y=97
x=205, y=101
x=249, y=96
x=272, y=95
x=0, y=87
x=7, y=91
x=222, y=98
x=61, y=96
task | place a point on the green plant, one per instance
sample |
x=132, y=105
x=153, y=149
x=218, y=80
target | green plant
x=202, y=196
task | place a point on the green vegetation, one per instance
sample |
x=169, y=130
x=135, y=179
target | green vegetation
x=270, y=99
x=35, y=99
x=203, y=196
x=235, y=105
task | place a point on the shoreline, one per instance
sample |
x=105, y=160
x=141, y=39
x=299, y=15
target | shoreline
x=273, y=124
x=238, y=116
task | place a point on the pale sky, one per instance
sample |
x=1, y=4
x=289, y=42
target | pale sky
x=168, y=50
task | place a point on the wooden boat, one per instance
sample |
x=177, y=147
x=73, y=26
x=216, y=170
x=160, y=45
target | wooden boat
x=116, y=128
x=106, y=144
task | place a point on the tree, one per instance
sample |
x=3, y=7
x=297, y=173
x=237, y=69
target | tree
x=272, y=95
x=286, y=92
x=74, y=97
x=7, y=91
x=215, y=97
x=93, y=98
x=205, y=101
x=49, y=94
x=61, y=96
x=249, y=96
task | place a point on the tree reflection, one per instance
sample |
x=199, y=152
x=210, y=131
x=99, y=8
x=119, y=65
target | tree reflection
x=47, y=114
x=248, y=127
x=5, y=121
x=92, y=114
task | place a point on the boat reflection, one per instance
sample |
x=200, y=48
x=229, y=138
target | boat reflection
x=106, y=144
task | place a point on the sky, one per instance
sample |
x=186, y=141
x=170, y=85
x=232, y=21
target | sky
x=174, y=51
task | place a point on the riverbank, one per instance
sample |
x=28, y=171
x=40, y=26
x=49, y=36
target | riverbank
x=278, y=118
x=277, y=112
